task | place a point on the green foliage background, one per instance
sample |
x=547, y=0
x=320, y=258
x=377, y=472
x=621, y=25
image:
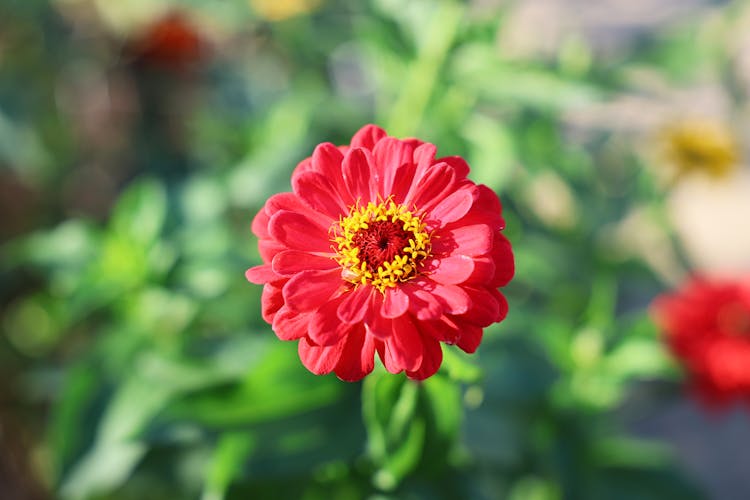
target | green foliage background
x=133, y=355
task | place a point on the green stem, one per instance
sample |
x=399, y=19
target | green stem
x=408, y=110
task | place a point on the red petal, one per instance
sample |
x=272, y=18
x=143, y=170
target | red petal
x=454, y=206
x=458, y=164
x=452, y=270
x=358, y=175
x=485, y=308
x=259, y=225
x=317, y=359
x=471, y=337
x=355, y=305
x=424, y=158
x=502, y=256
x=405, y=344
x=309, y=290
x=298, y=232
x=303, y=166
x=400, y=184
x=453, y=298
x=443, y=329
x=320, y=194
x=379, y=327
x=291, y=262
x=358, y=356
x=261, y=275
x=367, y=137
x=290, y=325
x=433, y=187
x=464, y=240
x=431, y=360
x=395, y=304
x=326, y=159
x=325, y=327
x=389, y=154
x=290, y=202
x=270, y=301
x=422, y=303
x=269, y=248
x=484, y=270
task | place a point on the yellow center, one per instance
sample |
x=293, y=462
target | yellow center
x=701, y=145
x=381, y=244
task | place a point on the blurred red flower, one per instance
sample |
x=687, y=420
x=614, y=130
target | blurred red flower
x=707, y=327
x=382, y=248
x=172, y=42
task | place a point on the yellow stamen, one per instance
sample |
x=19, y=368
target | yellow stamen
x=402, y=267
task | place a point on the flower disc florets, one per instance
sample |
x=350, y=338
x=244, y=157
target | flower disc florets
x=381, y=244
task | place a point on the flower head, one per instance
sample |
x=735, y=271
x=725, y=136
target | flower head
x=382, y=248
x=700, y=146
x=172, y=42
x=707, y=327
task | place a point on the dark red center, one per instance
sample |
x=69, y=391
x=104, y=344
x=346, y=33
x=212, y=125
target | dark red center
x=381, y=242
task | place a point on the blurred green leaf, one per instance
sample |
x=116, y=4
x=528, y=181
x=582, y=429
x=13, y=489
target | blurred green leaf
x=231, y=451
x=140, y=212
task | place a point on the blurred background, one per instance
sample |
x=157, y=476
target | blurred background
x=138, y=138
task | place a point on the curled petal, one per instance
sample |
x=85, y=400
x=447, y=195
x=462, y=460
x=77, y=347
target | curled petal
x=451, y=270
x=261, y=275
x=454, y=206
x=502, y=255
x=271, y=301
x=367, y=137
x=355, y=305
x=470, y=338
x=404, y=346
x=290, y=325
x=325, y=328
x=326, y=160
x=316, y=190
x=431, y=359
x=358, y=175
x=291, y=262
x=309, y=290
x=395, y=303
x=458, y=164
x=388, y=155
x=357, y=357
x=453, y=298
x=297, y=232
x=423, y=304
x=319, y=359
x=466, y=240
x=432, y=187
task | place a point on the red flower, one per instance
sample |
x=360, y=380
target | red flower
x=707, y=326
x=172, y=42
x=381, y=248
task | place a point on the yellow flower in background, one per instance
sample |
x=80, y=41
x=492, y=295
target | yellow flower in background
x=278, y=10
x=700, y=145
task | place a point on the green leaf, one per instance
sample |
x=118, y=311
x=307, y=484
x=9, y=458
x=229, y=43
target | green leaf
x=395, y=430
x=231, y=452
x=140, y=212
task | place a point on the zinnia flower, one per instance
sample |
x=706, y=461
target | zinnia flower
x=382, y=248
x=707, y=327
x=172, y=42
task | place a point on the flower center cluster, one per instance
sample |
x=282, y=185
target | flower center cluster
x=707, y=146
x=381, y=244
